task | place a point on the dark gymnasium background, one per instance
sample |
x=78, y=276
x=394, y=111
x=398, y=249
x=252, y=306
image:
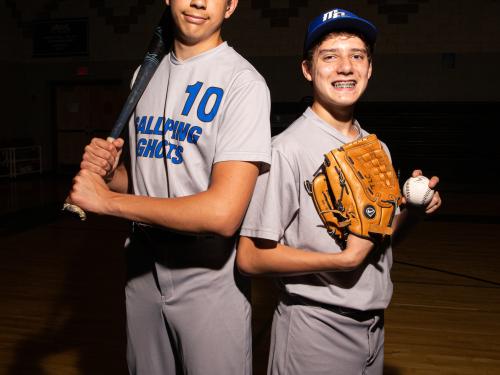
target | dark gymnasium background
x=433, y=98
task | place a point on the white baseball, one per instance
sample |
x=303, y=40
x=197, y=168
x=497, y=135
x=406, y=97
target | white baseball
x=417, y=191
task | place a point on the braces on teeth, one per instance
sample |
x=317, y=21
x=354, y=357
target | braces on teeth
x=344, y=84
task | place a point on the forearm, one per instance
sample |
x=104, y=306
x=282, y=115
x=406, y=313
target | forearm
x=197, y=213
x=278, y=259
x=285, y=260
x=218, y=210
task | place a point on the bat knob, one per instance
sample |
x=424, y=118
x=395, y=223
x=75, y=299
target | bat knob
x=76, y=210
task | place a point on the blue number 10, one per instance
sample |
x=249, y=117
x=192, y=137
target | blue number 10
x=202, y=113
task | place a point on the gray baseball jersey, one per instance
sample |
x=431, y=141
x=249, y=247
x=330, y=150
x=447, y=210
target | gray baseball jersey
x=210, y=108
x=313, y=332
x=186, y=308
x=281, y=210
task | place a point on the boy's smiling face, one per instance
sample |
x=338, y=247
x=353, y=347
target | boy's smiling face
x=339, y=70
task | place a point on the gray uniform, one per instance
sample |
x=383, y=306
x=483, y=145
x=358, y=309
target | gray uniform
x=187, y=309
x=328, y=322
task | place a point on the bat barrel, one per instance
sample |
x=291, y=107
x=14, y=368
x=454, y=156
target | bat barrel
x=143, y=77
x=160, y=43
x=157, y=49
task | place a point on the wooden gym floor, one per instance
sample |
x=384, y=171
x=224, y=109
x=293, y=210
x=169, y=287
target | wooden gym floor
x=62, y=306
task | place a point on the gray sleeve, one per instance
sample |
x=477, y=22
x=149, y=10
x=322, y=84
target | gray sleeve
x=245, y=130
x=274, y=203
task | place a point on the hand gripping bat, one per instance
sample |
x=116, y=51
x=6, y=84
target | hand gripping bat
x=160, y=44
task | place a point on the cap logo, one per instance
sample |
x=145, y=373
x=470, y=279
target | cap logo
x=334, y=13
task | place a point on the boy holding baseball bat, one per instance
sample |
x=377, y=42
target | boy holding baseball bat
x=329, y=319
x=198, y=138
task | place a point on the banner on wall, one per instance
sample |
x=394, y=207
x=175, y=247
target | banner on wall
x=60, y=37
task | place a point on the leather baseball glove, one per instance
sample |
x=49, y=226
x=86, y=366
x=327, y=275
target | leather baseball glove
x=356, y=191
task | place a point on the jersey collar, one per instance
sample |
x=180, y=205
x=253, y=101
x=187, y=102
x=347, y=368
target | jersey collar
x=323, y=125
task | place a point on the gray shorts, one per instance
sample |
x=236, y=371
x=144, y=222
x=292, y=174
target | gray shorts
x=187, y=309
x=314, y=340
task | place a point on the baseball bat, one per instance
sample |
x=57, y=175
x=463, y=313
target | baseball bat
x=160, y=44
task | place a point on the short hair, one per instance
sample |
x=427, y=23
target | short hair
x=308, y=55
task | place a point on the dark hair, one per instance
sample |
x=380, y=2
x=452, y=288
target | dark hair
x=308, y=55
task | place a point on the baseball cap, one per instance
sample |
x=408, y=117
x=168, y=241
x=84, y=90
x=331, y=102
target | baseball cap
x=338, y=19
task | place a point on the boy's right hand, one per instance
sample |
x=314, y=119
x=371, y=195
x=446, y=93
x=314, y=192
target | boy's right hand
x=101, y=156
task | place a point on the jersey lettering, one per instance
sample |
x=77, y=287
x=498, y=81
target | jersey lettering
x=159, y=126
x=160, y=151
x=140, y=124
x=155, y=149
x=194, y=134
x=150, y=148
x=181, y=131
x=204, y=114
x=169, y=126
x=178, y=155
x=193, y=91
x=174, y=129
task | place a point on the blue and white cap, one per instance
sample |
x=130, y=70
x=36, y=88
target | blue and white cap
x=338, y=19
